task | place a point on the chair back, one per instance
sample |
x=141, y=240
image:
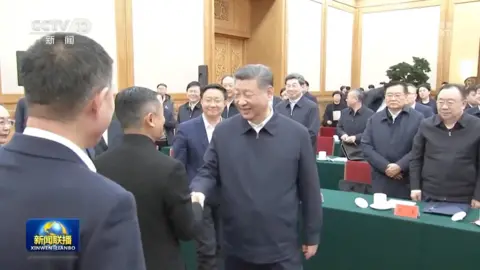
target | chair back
x=325, y=144
x=358, y=172
x=327, y=131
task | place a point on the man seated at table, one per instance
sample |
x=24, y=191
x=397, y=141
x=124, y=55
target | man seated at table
x=387, y=142
x=353, y=119
x=446, y=153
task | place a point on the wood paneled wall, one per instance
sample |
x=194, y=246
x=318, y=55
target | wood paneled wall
x=243, y=20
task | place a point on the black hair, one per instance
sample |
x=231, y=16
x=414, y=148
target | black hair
x=395, y=83
x=295, y=76
x=132, y=104
x=214, y=86
x=162, y=84
x=193, y=84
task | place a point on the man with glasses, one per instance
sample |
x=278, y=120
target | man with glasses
x=446, y=153
x=387, y=142
x=5, y=125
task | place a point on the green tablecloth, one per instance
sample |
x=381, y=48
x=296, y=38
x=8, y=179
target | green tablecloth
x=337, y=149
x=330, y=172
x=166, y=150
x=355, y=238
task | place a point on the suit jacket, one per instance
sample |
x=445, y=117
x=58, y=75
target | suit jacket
x=425, y=110
x=232, y=111
x=310, y=97
x=114, y=136
x=276, y=100
x=473, y=111
x=170, y=124
x=21, y=115
x=160, y=186
x=40, y=178
x=374, y=98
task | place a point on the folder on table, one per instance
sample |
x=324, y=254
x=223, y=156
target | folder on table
x=445, y=208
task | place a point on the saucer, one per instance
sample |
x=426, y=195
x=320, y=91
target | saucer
x=385, y=206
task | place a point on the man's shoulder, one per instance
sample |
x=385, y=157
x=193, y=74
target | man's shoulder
x=309, y=103
x=187, y=125
x=345, y=111
x=287, y=124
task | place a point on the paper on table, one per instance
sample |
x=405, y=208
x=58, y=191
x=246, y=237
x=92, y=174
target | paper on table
x=341, y=159
x=395, y=202
x=336, y=115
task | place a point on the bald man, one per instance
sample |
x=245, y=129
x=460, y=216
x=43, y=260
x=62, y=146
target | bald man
x=5, y=125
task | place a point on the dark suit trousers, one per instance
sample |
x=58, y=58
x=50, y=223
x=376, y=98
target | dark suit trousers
x=234, y=263
x=208, y=240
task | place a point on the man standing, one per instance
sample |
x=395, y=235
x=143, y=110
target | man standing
x=192, y=108
x=158, y=182
x=446, y=153
x=45, y=173
x=353, y=119
x=260, y=194
x=230, y=109
x=387, y=142
x=412, y=101
x=307, y=94
x=300, y=108
x=189, y=146
x=5, y=125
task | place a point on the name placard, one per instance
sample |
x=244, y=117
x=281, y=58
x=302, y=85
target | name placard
x=408, y=211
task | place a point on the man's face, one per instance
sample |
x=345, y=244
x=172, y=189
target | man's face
x=5, y=125
x=395, y=97
x=351, y=99
x=477, y=96
x=213, y=102
x=193, y=94
x=450, y=103
x=98, y=115
x=228, y=83
x=162, y=90
x=412, y=95
x=293, y=88
x=472, y=98
x=251, y=101
x=423, y=92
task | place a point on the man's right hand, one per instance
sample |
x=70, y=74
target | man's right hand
x=198, y=197
x=416, y=195
x=344, y=137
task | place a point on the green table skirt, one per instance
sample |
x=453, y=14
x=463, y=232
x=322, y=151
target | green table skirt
x=337, y=149
x=330, y=173
x=357, y=239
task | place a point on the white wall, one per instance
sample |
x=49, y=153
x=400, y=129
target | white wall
x=16, y=30
x=339, y=48
x=304, y=30
x=168, y=42
x=392, y=37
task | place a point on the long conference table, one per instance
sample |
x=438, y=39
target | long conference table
x=354, y=238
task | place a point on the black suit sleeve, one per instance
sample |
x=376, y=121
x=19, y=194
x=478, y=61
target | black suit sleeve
x=116, y=243
x=328, y=115
x=179, y=203
x=20, y=116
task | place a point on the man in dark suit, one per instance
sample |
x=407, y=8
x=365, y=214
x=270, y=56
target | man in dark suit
x=230, y=108
x=20, y=115
x=260, y=194
x=375, y=99
x=189, y=146
x=158, y=182
x=412, y=101
x=45, y=173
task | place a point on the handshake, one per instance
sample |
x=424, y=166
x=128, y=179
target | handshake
x=198, y=197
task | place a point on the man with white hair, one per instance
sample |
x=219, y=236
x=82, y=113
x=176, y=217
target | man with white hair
x=5, y=125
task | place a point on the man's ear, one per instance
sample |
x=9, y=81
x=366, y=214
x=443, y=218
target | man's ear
x=97, y=100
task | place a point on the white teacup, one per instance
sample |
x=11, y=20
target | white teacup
x=335, y=138
x=322, y=155
x=379, y=199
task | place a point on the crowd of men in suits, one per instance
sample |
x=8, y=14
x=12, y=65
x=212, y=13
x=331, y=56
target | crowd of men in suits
x=136, y=204
x=82, y=152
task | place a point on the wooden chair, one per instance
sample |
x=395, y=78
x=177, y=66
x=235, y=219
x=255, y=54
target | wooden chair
x=358, y=172
x=325, y=144
x=327, y=131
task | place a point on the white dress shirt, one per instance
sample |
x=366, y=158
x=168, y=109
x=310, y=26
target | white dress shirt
x=40, y=133
x=105, y=136
x=258, y=127
x=292, y=103
x=394, y=115
x=209, y=128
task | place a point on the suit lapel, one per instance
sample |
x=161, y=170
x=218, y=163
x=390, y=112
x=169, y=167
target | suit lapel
x=202, y=132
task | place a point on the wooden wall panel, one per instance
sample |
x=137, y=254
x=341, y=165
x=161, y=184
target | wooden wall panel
x=229, y=55
x=232, y=17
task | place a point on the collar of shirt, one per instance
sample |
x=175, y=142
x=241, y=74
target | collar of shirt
x=295, y=101
x=413, y=105
x=105, y=136
x=207, y=124
x=40, y=133
x=394, y=115
x=192, y=105
x=258, y=127
x=229, y=103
